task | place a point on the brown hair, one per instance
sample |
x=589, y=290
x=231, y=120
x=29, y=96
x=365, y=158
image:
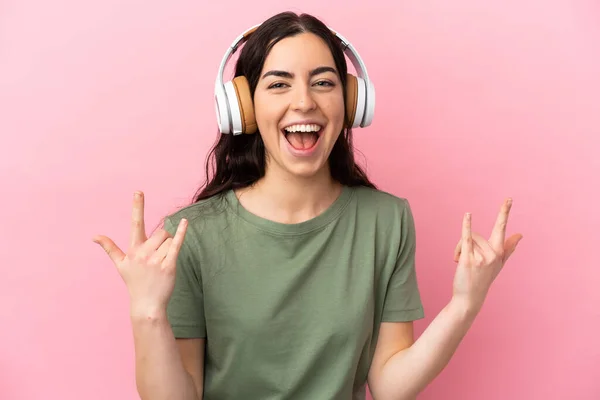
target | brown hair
x=238, y=162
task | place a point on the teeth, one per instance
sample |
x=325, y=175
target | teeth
x=303, y=128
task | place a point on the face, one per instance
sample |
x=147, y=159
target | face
x=299, y=105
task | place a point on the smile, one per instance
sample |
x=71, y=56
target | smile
x=302, y=138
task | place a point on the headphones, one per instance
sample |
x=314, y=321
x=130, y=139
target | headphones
x=235, y=108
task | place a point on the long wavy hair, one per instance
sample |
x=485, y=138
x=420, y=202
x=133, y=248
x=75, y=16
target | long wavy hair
x=238, y=162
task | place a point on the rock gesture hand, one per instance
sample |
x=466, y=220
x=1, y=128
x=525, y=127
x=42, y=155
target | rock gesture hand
x=480, y=261
x=148, y=266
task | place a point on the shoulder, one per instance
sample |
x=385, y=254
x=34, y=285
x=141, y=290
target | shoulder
x=380, y=202
x=199, y=213
x=389, y=215
x=209, y=225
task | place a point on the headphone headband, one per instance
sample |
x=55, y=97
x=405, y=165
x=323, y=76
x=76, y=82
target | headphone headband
x=364, y=99
x=349, y=51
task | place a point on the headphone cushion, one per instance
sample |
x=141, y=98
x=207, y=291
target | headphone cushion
x=351, y=99
x=246, y=106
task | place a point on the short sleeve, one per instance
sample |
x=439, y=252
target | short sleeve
x=185, y=310
x=403, y=299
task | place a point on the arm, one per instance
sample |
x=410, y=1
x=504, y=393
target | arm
x=180, y=343
x=166, y=368
x=148, y=269
x=402, y=369
x=192, y=354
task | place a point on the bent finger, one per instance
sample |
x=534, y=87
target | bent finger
x=155, y=241
x=162, y=251
x=457, y=250
x=479, y=245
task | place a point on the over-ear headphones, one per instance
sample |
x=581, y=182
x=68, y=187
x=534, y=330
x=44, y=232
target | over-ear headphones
x=235, y=108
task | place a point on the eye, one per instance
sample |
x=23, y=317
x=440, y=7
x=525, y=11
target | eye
x=324, y=83
x=277, y=85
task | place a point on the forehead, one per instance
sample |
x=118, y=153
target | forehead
x=302, y=52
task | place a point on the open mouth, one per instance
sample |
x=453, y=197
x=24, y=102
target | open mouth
x=302, y=136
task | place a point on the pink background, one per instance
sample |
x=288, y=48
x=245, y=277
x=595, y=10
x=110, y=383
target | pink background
x=476, y=101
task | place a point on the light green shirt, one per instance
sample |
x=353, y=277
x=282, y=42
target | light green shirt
x=292, y=311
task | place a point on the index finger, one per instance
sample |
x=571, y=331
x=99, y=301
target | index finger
x=138, y=228
x=176, y=244
x=499, y=232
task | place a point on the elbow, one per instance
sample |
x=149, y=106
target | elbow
x=398, y=396
x=384, y=387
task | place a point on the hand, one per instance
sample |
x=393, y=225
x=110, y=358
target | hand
x=148, y=267
x=480, y=261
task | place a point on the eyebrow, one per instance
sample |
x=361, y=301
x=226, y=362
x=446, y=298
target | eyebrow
x=285, y=74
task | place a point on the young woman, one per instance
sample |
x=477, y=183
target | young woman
x=291, y=276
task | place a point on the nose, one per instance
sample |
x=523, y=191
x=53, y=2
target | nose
x=303, y=100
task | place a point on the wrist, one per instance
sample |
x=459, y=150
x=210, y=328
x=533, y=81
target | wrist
x=146, y=312
x=463, y=308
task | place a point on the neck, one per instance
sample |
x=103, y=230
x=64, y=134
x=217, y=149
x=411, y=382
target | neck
x=290, y=199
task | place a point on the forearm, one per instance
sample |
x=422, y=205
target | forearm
x=159, y=370
x=409, y=371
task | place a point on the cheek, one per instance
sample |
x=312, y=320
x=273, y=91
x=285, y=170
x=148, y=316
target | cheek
x=267, y=119
x=336, y=112
x=267, y=114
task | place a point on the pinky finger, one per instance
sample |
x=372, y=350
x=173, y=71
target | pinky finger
x=467, y=239
x=176, y=243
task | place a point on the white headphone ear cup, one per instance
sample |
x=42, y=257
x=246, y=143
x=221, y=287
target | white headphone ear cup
x=234, y=108
x=369, y=105
x=360, y=102
x=222, y=109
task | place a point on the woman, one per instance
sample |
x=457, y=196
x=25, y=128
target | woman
x=296, y=277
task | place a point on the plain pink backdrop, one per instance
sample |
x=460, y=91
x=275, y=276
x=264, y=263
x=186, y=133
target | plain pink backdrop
x=476, y=101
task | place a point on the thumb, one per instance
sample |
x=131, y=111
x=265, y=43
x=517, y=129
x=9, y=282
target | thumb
x=113, y=251
x=511, y=245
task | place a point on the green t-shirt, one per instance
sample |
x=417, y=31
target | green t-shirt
x=292, y=311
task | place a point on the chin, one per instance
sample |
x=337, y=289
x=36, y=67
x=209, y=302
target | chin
x=307, y=171
x=306, y=166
